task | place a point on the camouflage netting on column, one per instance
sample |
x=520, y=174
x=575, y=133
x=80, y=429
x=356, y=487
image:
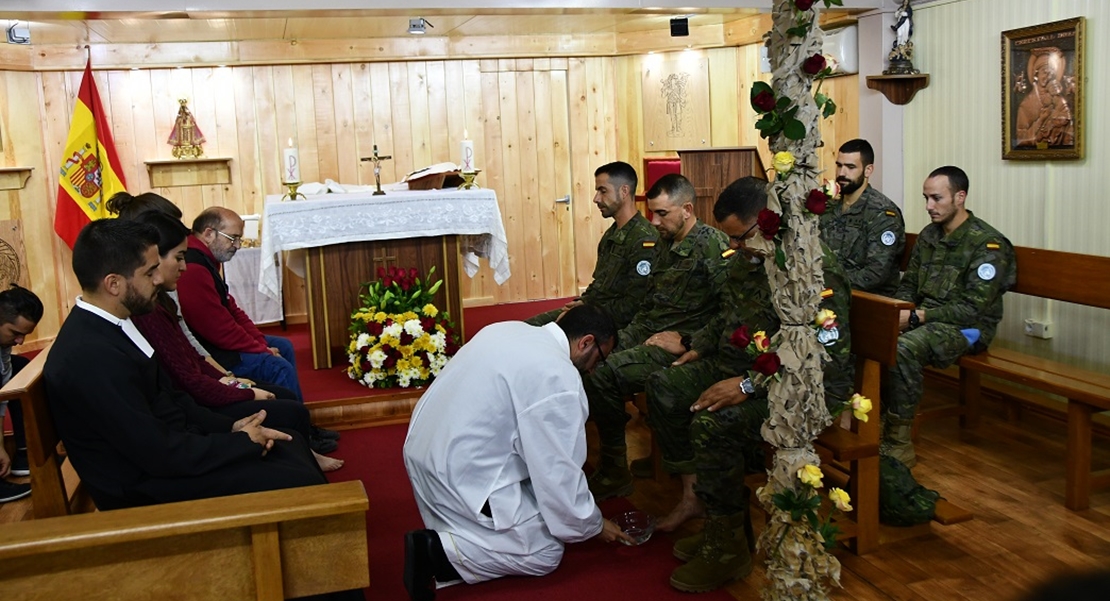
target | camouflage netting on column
x=798, y=567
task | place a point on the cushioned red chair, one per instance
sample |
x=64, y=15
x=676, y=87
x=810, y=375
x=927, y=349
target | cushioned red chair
x=655, y=168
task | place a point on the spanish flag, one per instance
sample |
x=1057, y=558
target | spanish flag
x=90, y=172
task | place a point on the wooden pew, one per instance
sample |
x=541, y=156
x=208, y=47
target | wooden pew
x=1063, y=276
x=268, y=545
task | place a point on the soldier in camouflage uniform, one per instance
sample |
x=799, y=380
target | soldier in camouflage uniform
x=706, y=412
x=958, y=271
x=864, y=228
x=624, y=253
x=683, y=291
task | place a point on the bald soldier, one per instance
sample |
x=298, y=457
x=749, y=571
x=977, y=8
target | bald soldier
x=624, y=253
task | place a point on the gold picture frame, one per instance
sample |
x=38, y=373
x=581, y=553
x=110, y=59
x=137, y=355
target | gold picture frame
x=1043, y=89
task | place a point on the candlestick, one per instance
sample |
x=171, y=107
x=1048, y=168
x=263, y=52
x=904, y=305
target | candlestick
x=291, y=164
x=466, y=148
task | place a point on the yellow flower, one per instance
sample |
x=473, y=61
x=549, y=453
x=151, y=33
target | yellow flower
x=380, y=317
x=825, y=319
x=761, y=342
x=416, y=361
x=783, y=162
x=810, y=475
x=861, y=406
x=430, y=310
x=402, y=364
x=841, y=499
x=831, y=188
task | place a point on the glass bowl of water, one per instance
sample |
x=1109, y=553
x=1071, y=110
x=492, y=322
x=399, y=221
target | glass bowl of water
x=638, y=525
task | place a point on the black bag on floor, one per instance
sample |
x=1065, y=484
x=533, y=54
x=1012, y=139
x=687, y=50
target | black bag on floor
x=902, y=501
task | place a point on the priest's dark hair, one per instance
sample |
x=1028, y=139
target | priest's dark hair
x=108, y=246
x=171, y=231
x=743, y=199
x=128, y=207
x=18, y=301
x=621, y=173
x=677, y=188
x=861, y=146
x=588, y=319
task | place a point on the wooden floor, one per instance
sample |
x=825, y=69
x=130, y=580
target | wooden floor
x=1009, y=474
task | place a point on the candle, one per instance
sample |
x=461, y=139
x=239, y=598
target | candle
x=466, y=148
x=290, y=164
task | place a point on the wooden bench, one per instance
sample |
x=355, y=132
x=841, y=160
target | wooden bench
x=1069, y=277
x=268, y=545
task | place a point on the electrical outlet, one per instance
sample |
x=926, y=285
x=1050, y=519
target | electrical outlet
x=1039, y=329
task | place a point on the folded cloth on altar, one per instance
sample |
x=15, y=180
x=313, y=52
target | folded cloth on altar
x=331, y=186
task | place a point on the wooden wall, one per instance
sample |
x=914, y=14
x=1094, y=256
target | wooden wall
x=541, y=125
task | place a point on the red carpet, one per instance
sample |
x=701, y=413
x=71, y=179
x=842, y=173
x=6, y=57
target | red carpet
x=589, y=571
x=332, y=384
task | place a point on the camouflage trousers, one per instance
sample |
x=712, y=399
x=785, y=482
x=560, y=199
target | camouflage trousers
x=544, y=318
x=623, y=374
x=726, y=444
x=670, y=393
x=932, y=344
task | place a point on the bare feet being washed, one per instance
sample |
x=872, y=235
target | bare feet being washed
x=328, y=464
x=687, y=509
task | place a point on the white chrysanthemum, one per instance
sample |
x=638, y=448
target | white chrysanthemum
x=413, y=327
x=439, y=339
x=403, y=379
x=377, y=359
x=368, y=378
x=362, y=340
x=394, y=329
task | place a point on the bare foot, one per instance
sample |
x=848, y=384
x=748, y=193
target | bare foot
x=686, y=509
x=328, y=464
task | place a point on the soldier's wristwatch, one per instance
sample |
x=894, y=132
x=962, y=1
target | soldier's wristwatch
x=914, y=319
x=746, y=386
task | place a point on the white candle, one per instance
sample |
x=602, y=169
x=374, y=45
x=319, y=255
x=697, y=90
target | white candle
x=466, y=147
x=290, y=164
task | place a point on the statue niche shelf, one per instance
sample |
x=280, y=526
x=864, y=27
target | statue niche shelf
x=189, y=172
x=899, y=89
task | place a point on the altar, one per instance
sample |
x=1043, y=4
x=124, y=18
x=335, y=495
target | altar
x=348, y=236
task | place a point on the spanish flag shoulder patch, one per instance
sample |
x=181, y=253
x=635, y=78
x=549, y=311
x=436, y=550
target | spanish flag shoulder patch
x=826, y=293
x=728, y=253
x=993, y=245
x=892, y=213
x=649, y=245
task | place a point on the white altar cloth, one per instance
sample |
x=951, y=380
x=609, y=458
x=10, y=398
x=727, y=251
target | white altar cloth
x=326, y=219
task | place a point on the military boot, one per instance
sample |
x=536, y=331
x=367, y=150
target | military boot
x=722, y=558
x=611, y=478
x=897, y=440
x=686, y=548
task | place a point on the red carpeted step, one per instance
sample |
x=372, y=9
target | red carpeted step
x=589, y=571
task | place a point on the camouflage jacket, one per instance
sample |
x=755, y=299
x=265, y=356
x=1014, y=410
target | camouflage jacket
x=684, y=287
x=624, y=257
x=746, y=300
x=868, y=238
x=959, y=279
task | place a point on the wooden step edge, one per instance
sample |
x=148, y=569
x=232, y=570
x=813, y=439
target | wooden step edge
x=948, y=514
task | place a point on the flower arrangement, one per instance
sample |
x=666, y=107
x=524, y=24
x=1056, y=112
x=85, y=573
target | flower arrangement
x=398, y=337
x=803, y=503
x=767, y=362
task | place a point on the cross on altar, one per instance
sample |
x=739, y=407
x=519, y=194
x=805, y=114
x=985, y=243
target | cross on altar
x=377, y=169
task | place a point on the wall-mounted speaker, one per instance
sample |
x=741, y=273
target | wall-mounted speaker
x=680, y=26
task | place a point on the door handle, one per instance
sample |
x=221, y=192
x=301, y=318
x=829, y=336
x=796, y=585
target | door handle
x=564, y=200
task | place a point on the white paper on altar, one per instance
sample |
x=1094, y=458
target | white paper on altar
x=323, y=220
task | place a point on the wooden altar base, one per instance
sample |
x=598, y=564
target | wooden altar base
x=378, y=407
x=334, y=276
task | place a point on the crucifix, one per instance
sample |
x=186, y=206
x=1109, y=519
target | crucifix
x=377, y=169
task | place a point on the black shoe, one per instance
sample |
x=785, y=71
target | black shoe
x=322, y=446
x=426, y=564
x=10, y=491
x=20, y=466
x=318, y=432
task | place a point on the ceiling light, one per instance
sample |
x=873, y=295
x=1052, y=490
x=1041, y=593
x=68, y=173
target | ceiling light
x=417, y=26
x=680, y=27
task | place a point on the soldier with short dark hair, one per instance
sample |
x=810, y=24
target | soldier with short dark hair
x=863, y=227
x=624, y=253
x=958, y=271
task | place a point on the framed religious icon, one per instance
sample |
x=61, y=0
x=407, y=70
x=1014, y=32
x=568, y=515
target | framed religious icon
x=1042, y=91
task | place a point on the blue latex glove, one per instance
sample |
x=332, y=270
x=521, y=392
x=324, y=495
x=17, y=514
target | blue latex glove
x=972, y=335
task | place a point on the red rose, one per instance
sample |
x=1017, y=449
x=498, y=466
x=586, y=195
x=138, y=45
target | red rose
x=817, y=202
x=405, y=284
x=387, y=281
x=364, y=350
x=740, y=338
x=412, y=273
x=769, y=223
x=767, y=364
x=366, y=366
x=814, y=64
x=374, y=328
x=381, y=272
x=803, y=4
x=406, y=338
x=386, y=349
x=764, y=101
x=389, y=362
x=428, y=324
x=451, y=348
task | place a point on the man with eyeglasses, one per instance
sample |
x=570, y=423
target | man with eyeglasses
x=706, y=411
x=221, y=326
x=494, y=453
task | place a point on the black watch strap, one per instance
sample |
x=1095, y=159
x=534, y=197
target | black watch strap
x=914, y=319
x=687, y=342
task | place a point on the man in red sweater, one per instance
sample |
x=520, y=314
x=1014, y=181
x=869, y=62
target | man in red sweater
x=217, y=321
